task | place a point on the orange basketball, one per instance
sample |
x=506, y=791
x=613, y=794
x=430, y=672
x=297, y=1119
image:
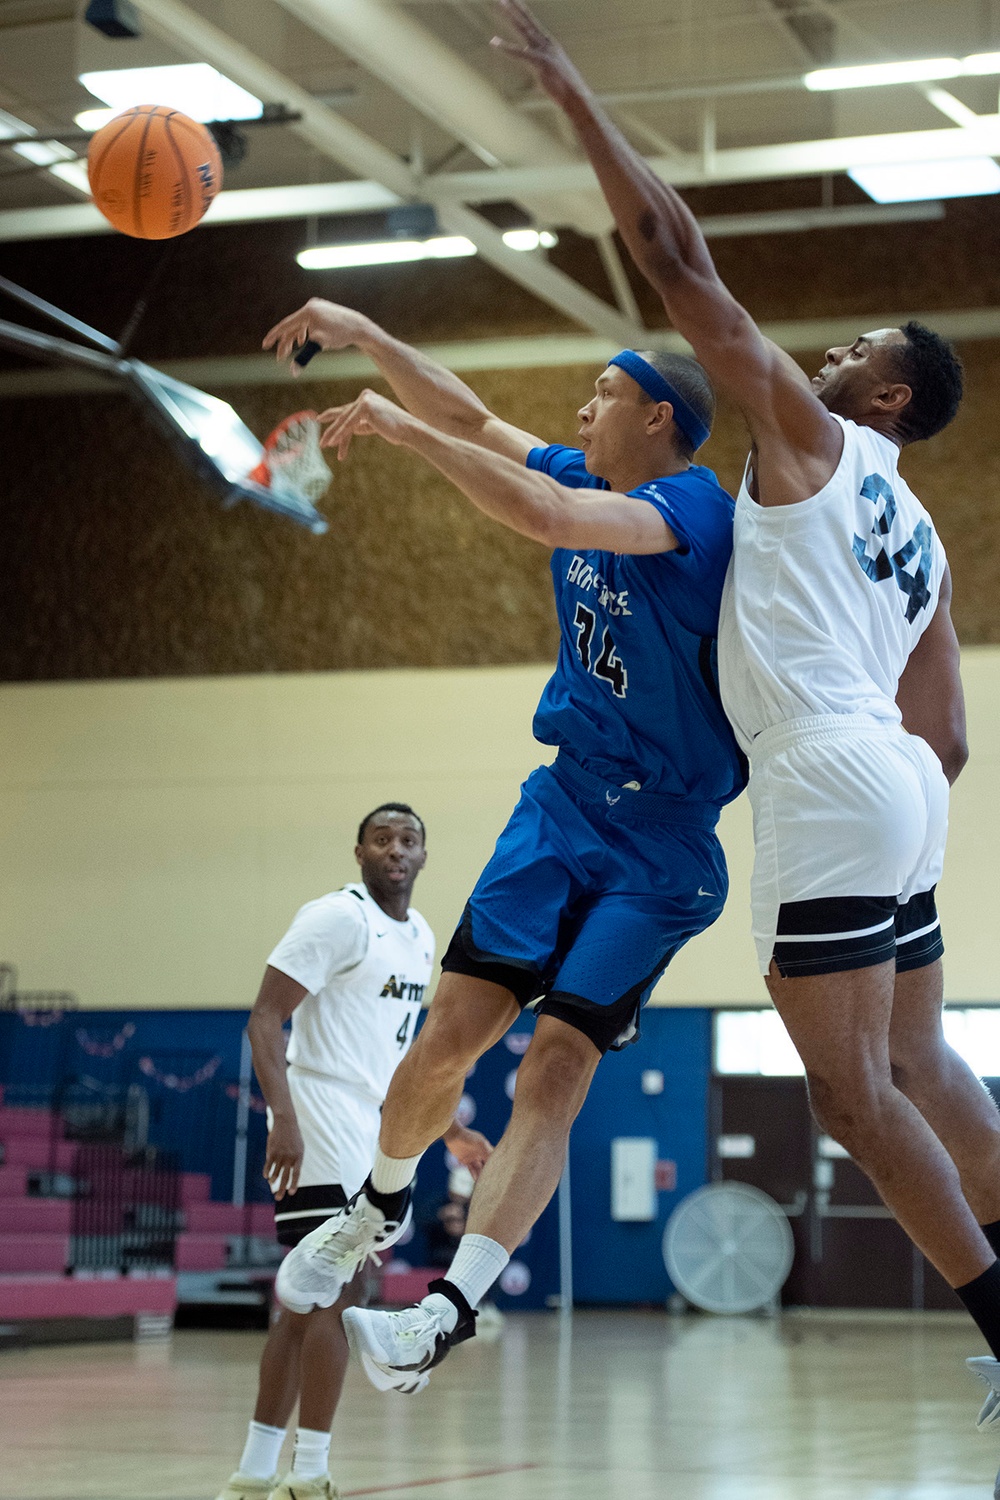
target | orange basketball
x=153, y=171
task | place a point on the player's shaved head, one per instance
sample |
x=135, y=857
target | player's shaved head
x=390, y=808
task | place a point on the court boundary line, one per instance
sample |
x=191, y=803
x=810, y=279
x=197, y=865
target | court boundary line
x=413, y=1484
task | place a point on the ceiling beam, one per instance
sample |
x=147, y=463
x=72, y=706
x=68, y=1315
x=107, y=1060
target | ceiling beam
x=336, y=137
x=399, y=50
x=258, y=205
x=544, y=351
x=742, y=163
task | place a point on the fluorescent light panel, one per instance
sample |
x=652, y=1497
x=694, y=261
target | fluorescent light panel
x=396, y=252
x=530, y=239
x=916, y=181
x=44, y=153
x=384, y=253
x=917, y=70
x=197, y=89
x=94, y=119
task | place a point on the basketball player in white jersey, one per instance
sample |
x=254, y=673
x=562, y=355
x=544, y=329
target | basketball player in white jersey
x=350, y=972
x=839, y=669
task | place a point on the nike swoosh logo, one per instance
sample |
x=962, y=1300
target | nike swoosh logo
x=706, y=893
x=380, y=934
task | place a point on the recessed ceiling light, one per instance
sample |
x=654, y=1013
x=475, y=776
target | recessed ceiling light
x=914, y=181
x=197, y=89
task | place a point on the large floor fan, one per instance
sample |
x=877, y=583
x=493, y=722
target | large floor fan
x=728, y=1248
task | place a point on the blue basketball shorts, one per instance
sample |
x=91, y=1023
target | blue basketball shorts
x=591, y=890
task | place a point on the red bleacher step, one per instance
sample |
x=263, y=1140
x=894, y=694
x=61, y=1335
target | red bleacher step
x=226, y=1218
x=41, y=1155
x=13, y=1182
x=29, y=1297
x=33, y=1122
x=33, y=1252
x=35, y=1216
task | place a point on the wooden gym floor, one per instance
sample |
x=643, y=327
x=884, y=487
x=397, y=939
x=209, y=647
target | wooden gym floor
x=622, y=1406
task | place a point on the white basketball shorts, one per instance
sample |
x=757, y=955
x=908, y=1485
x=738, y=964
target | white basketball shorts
x=339, y=1129
x=850, y=818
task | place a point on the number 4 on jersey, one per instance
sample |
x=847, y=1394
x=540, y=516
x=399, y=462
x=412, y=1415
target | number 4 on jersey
x=404, y=1030
x=609, y=665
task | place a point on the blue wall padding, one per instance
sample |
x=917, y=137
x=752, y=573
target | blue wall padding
x=188, y=1063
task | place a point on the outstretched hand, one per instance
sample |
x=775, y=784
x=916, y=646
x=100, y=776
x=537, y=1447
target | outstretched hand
x=555, y=73
x=325, y=323
x=369, y=415
x=469, y=1147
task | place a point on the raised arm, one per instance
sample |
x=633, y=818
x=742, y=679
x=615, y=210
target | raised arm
x=930, y=695
x=426, y=388
x=278, y=997
x=663, y=238
x=523, y=499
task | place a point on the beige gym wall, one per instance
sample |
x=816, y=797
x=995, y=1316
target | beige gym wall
x=156, y=837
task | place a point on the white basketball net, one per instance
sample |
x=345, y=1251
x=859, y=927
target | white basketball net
x=295, y=462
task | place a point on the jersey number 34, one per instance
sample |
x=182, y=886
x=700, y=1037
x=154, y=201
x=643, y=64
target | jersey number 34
x=608, y=665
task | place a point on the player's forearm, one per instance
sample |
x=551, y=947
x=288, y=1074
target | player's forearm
x=523, y=499
x=426, y=388
x=661, y=233
x=267, y=1046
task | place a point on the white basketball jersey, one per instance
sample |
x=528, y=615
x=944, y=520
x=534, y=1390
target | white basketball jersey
x=366, y=975
x=825, y=599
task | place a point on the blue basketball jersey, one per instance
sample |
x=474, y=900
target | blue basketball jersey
x=634, y=696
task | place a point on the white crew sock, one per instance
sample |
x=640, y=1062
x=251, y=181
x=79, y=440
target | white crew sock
x=312, y=1453
x=391, y=1174
x=260, y=1456
x=477, y=1264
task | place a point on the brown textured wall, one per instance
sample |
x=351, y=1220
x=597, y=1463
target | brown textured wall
x=117, y=565
x=115, y=562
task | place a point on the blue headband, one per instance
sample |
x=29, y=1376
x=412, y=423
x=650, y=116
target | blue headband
x=659, y=389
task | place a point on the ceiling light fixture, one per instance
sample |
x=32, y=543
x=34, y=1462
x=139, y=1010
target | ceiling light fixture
x=397, y=252
x=917, y=70
x=915, y=181
x=530, y=239
x=94, y=119
x=197, y=89
x=384, y=253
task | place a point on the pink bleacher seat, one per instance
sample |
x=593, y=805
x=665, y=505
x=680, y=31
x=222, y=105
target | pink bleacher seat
x=44, y=1155
x=35, y=1215
x=202, y=1252
x=195, y=1187
x=18, y=1122
x=400, y=1288
x=33, y=1252
x=37, y=1296
x=226, y=1218
x=13, y=1182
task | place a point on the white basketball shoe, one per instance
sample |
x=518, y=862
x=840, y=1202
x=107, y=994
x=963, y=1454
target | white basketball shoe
x=316, y=1271
x=988, y=1369
x=396, y=1349
x=241, y=1487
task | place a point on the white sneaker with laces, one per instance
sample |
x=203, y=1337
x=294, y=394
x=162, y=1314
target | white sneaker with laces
x=396, y=1349
x=291, y=1488
x=316, y=1271
x=241, y=1487
x=988, y=1369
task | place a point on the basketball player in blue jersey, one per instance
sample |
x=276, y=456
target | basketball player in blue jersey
x=610, y=861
